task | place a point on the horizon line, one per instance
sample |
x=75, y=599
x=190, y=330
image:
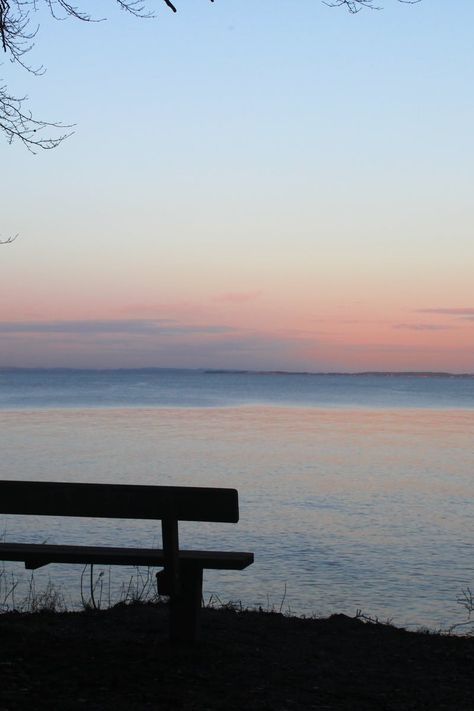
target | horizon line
x=243, y=371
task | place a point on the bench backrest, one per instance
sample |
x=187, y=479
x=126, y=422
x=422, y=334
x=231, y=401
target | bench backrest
x=132, y=501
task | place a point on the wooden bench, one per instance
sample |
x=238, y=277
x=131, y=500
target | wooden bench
x=181, y=577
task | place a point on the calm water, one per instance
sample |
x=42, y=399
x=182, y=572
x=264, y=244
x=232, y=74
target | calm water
x=355, y=491
x=193, y=388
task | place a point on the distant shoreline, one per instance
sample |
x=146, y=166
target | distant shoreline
x=233, y=371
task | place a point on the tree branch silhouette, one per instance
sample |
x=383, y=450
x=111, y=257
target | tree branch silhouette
x=17, y=36
x=9, y=240
x=355, y=6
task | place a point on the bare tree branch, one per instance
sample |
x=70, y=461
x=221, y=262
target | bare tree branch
x=355, y=6
x=9, y=240
x=17, y=35
x=17, y=123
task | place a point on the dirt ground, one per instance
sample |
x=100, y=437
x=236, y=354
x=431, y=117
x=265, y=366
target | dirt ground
x=121, y=659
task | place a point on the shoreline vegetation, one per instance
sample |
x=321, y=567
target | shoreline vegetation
x=120, y=658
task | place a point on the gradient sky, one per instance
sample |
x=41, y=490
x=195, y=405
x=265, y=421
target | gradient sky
x=269, y=185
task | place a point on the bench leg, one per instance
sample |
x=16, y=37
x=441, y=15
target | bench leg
x=185, y=608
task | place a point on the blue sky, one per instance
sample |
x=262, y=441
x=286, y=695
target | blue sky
x=314, y=164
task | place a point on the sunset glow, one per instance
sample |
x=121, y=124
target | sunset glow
x=279, y=188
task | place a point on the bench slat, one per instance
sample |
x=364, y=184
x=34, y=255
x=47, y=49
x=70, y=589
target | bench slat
x=41, y=554
x=183, y=503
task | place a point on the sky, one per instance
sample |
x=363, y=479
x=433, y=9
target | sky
x=257, y=185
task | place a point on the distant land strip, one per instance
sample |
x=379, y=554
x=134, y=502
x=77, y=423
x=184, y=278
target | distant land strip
x=232, y=371
x=382, y=373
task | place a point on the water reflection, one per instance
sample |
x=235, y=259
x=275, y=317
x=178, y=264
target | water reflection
x=346, y=508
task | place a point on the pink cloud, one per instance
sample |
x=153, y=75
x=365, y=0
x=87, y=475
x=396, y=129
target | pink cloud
x=449, y=311
x=422, y=327
x=180, y=309
x=238, y=297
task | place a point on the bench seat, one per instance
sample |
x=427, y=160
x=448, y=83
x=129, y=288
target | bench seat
x=35, y=555
x=181, y=574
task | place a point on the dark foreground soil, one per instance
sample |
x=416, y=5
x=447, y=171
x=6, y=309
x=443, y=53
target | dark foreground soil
x=121, y=659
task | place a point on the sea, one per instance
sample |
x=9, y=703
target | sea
x=356, y=491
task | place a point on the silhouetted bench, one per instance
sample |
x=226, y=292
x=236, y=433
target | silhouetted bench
x=181, y=577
